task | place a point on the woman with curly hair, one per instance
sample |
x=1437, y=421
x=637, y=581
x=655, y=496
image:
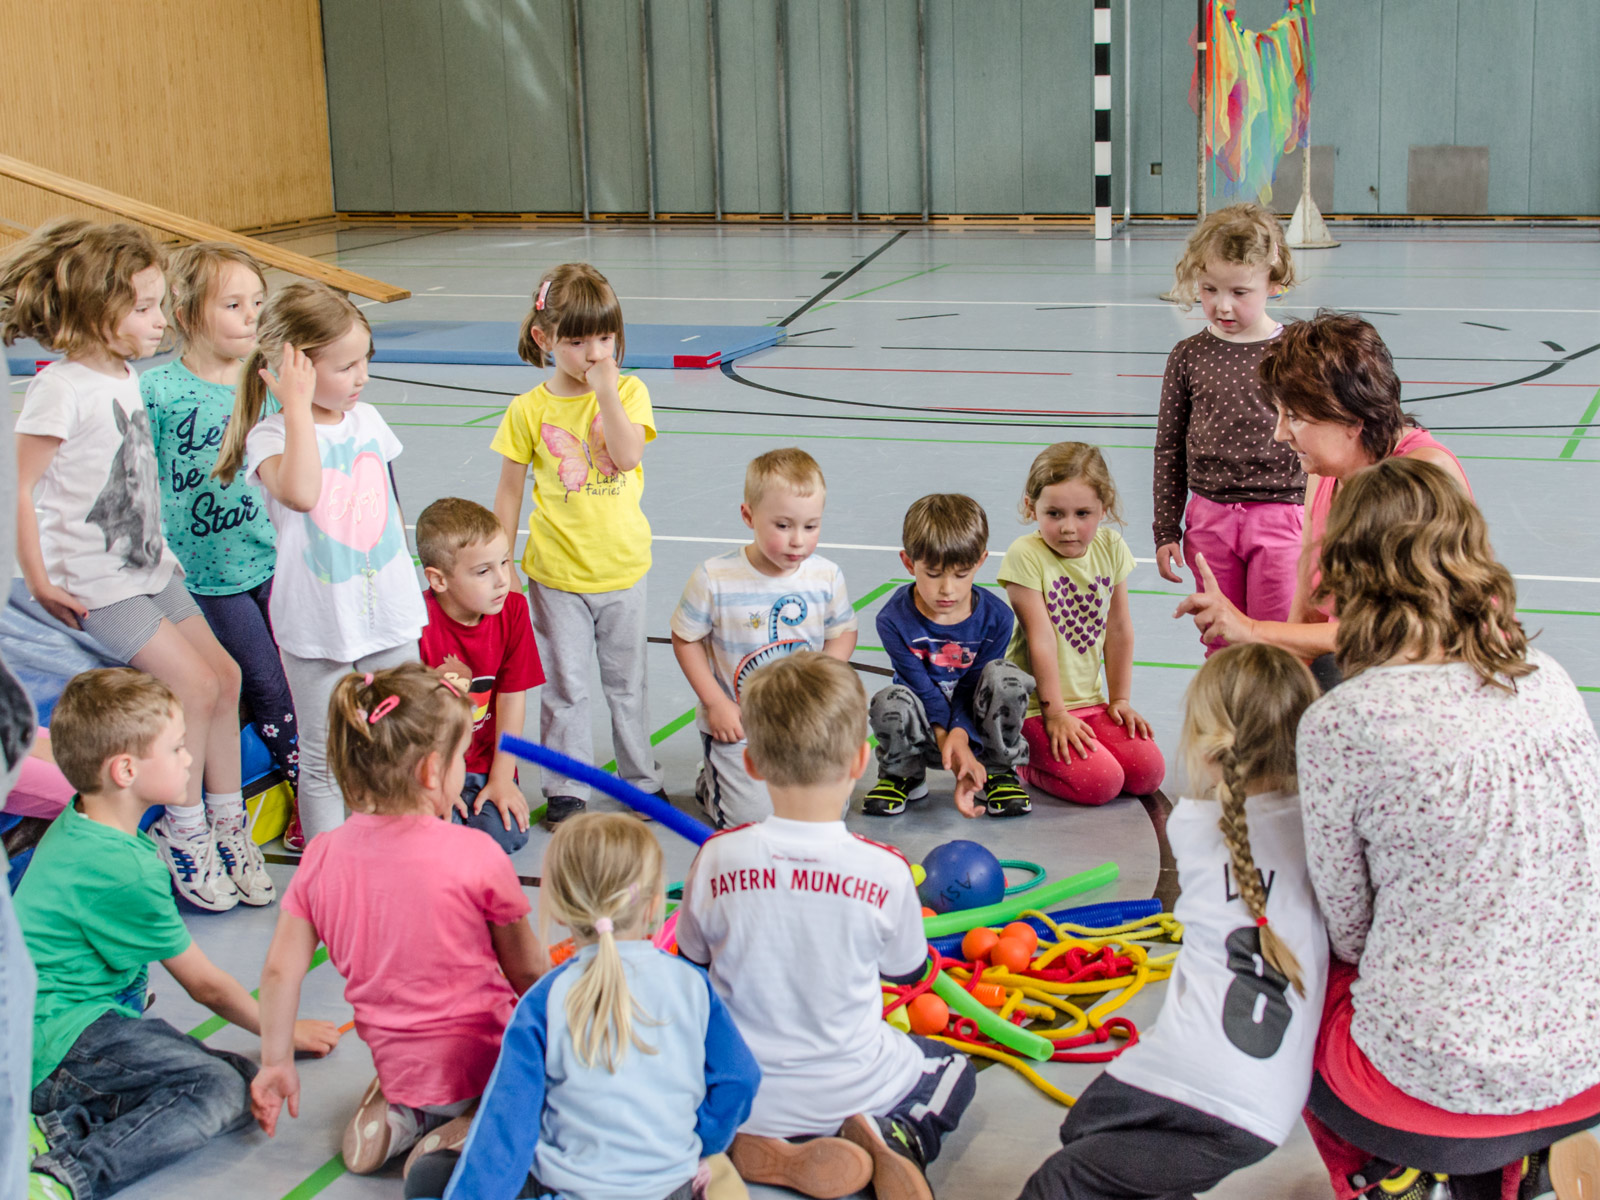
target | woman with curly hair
x=1451, y=796
x=1333, y=383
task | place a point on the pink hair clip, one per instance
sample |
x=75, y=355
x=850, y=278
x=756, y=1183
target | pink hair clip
x=385, y=706
x=538, y=301
x=368, y=679
x=454, y=690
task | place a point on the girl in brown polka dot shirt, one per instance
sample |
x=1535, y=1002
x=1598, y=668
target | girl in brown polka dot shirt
x=1214, y=434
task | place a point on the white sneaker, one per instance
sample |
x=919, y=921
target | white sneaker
x=196, y=869
x=241, y=859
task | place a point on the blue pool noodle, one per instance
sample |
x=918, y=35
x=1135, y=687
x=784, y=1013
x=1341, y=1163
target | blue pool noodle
x=1093, y=916
x=680, y=823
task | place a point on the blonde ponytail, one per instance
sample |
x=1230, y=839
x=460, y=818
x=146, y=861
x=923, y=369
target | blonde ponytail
x=1240, y=718
x=602, y=875
x=248, y=400
x=306, y=316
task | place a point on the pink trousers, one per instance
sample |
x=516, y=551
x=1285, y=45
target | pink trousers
x=1252, y=549
x=1117, y=763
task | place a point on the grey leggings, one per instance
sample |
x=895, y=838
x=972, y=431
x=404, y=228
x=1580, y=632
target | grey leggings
x=311, y=682
x=906, y=744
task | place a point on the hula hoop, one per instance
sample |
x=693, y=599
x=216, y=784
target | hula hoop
x=1022, y=864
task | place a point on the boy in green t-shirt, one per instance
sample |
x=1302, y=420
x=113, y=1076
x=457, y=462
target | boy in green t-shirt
x=116, y=1096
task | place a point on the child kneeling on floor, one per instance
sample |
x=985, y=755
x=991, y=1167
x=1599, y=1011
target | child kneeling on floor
x=116, y=1094
x=955, y=701
x=622, y=1067
x=426, y=922
x=1219, y=1082
x=797, y=919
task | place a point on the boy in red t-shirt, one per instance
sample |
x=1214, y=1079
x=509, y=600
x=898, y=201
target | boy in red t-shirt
x=479, y=636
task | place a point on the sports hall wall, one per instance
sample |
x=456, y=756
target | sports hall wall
x=227, y=100
x=469, y=105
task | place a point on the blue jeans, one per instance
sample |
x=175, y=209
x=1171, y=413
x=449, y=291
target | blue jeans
x=510, y=840
x=241, y=623
x=132, y=1096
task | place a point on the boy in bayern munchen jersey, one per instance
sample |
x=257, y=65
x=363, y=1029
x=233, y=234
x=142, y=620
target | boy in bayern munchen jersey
x=796, y=919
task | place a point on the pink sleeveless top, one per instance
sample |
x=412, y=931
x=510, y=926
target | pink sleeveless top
x=1322, y=501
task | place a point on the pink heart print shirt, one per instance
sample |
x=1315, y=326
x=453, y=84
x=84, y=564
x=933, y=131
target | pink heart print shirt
x=1077, y=596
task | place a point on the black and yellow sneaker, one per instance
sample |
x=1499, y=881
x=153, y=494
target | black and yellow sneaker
x=1004, y=796
x=1535, y=1183
x=1408, y=1183
x=897, y=1167
x=887, y=797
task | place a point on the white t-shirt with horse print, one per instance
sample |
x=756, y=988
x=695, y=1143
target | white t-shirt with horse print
x=99, y=501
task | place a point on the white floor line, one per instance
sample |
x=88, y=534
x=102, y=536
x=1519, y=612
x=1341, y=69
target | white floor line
x=1000, y=552
x=1013, y=303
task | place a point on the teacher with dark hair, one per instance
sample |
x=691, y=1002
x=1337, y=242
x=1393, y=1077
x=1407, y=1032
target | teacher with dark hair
x=1333, y=383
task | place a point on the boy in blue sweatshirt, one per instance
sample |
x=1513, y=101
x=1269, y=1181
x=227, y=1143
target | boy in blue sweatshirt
x=955, y=701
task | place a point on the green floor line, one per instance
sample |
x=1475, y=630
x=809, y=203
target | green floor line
x=880, y=287
x=1558, y=612
x=1589, y=689
x=319, y=1179
x=213, y=1023
x=1169, y=666
x=1571, y=447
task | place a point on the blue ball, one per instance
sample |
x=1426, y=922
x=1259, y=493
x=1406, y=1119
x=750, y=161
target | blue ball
x=961, y=875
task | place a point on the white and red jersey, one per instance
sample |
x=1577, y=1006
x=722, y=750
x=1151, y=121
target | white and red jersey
x=797, y=921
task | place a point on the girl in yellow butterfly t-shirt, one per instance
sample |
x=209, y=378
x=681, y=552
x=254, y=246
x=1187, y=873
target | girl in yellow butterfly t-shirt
x=582, y=433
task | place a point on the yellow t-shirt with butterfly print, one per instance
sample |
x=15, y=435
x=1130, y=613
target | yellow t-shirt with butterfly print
x=587, y=531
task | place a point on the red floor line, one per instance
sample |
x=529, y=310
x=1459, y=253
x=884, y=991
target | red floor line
x=909, y=370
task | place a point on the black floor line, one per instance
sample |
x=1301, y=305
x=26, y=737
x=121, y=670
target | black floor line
x=1551, y=369
x=812, y=303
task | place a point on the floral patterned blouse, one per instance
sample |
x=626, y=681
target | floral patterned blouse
x=1453, y=837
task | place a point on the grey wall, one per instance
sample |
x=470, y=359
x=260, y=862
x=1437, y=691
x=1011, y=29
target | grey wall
x=470, y=105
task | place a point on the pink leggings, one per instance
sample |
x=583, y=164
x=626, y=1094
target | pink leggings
x=1117, y=763
x=1252, y=549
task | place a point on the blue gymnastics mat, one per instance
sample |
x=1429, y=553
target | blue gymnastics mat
x=494, y=343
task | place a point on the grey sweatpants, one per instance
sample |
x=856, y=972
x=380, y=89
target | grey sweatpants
x=571, y=628
x=906, y=743
x=311, y=684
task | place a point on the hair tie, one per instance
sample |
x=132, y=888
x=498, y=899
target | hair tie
x=385, y=706
x=538, y=301
x=1261, y=922
x=367, y=680
x=444, y=682
x=603, y=925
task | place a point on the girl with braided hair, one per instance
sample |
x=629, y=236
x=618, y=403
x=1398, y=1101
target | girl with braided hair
x=1220, y=1080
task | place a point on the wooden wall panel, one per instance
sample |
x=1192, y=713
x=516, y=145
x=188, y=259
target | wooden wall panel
x=217, y=111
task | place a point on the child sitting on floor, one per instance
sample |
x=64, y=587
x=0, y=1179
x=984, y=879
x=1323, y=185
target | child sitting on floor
x=955, y=701
x=480, y=638
x=744, y=608
x=1068, y=585
x=117, y=1094
x=798, y=918
x=426, y=922
x=622, y=1067
x=1220, y=1080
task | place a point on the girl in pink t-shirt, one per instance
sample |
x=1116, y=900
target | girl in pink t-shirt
x=425, y=920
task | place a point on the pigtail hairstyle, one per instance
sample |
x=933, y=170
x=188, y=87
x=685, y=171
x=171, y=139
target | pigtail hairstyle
x=602, y=874
x=308, y=316
x=191, y=274
x=383, y=724
x=70, y=283
x=571, y=301
x=1241, y=235
x=1240, y=716
x=1407, y=561
x=1070, y=460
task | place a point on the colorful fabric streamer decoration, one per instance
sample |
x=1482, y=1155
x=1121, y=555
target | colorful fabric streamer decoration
x=1258, y=97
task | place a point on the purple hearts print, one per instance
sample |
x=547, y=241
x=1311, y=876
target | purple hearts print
x=1078, y=612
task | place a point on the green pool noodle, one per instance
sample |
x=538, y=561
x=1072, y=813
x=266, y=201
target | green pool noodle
x=1012, y=1037
x=1043, y=899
